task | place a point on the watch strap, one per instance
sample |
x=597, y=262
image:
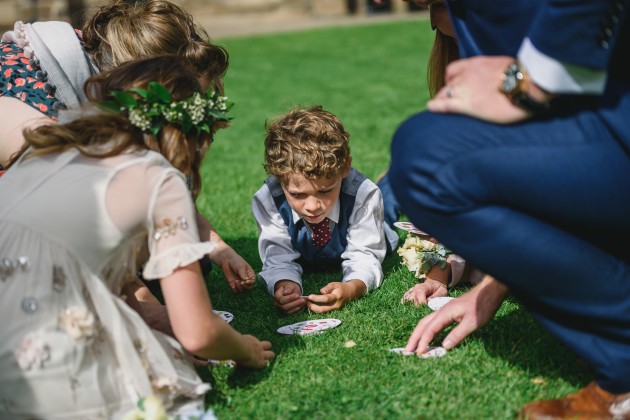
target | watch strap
x=524, y=101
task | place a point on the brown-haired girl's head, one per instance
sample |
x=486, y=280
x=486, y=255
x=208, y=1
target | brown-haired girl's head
x=107, y=133
x=123, y=31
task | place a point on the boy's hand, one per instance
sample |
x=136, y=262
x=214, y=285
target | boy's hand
x=288, y=297
x=335, y=295
x=422, y=292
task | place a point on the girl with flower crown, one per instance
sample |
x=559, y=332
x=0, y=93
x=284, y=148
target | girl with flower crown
x=92, y=199
x=43, y=67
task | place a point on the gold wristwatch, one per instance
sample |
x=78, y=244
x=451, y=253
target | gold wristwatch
x=514, y=85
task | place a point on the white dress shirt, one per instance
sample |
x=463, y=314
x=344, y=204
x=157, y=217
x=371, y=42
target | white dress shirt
x=367, y=236
x=557, y=77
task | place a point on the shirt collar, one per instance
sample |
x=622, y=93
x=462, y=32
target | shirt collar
x=332, y=215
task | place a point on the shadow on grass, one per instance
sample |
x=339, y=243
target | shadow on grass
x=519, y=339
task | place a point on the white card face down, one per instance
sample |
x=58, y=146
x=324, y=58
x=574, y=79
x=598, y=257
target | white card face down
x=315, y=326
x=431, y=352
x=224, y=315
x=228, y=363
x=401, y=351
x=438, y=302
x=409, y=227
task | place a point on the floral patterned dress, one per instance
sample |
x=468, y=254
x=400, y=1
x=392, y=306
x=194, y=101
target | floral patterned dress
x=69, y=345
x=22, y=78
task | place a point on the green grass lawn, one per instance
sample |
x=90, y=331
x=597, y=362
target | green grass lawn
x=372, y=77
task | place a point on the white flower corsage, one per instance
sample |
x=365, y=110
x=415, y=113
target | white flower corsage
x=420, y=255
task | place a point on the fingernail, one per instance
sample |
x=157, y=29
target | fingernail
x=447, y=344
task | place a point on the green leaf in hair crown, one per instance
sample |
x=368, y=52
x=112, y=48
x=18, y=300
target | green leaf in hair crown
x=151, y=108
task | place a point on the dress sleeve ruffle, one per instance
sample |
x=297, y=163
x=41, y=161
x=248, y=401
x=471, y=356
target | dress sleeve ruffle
x=165, y=263
x=18, y=36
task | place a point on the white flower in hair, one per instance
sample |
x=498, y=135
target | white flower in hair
x=151, y=108
x=138, y=118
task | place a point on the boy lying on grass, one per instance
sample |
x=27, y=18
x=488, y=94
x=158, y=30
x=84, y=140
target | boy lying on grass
x=315, y=212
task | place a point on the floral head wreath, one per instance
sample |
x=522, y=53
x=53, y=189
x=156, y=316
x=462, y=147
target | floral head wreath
x=155, y=107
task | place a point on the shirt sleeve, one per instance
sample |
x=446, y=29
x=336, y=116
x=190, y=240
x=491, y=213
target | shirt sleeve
x=570, y=44
x=173, y=237
x=557, y=77
x=366, y=238
x=276, y=252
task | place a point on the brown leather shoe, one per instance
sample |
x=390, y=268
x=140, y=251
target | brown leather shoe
x=591, y=402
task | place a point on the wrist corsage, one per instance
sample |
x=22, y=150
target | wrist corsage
x=420, y=255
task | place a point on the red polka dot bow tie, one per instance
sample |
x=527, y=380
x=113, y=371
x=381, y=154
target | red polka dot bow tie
x=320, y=232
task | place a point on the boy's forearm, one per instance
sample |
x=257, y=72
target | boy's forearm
x=354, y=289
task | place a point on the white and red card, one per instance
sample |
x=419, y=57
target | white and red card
x=224, y=315
x=315, y=326
x=430, y=353
x=409, y=227
x=437, y=302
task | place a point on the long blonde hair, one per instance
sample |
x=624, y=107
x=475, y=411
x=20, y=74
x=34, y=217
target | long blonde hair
x=104, y=134
x=443, y=52
x=123, y=31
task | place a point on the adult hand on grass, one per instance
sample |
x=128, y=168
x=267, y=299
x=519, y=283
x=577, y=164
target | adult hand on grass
x=288, y=297
x=335, y=295
x=470, y=311
x=421, y=292
x=259, y=353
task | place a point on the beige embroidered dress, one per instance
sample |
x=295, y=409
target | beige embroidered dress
x=69, y=228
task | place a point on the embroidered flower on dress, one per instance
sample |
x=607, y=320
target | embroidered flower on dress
x=148, y=408
x=168, y=228
x=79, y=323
x=164, y=385
x=32, y=352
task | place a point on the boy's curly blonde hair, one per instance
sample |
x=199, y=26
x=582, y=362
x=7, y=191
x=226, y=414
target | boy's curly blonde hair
x=311, y=142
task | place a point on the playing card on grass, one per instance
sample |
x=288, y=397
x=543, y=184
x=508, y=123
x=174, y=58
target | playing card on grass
x=409, y=227
x=401, y=351
x=438, y=302
x=228, y=363
x=309, y=327
x=224, y=315
x=431, y=352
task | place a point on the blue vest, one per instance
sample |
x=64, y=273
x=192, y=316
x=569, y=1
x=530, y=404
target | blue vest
x=329, y=257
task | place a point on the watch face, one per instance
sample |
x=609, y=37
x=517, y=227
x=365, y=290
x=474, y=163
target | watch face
x=511, y=79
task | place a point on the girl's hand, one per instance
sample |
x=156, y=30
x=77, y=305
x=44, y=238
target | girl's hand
x=421, y=292
x=259, y=353
x=239, y=274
